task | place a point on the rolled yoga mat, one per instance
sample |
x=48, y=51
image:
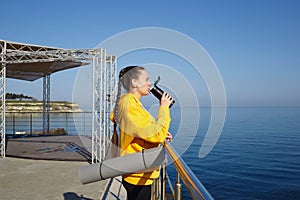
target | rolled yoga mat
x=145, y=160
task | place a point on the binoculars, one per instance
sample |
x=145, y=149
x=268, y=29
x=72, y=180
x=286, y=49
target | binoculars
x=158, y=92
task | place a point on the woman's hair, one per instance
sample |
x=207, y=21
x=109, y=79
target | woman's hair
x=125, y=77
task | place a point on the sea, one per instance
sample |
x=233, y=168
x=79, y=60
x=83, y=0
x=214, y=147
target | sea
x=257, y=155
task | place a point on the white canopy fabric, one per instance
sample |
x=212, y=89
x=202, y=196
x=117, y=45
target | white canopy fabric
x=34, y=71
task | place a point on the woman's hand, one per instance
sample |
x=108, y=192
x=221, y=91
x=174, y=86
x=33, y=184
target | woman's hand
x=166, y=99
x=169, y=137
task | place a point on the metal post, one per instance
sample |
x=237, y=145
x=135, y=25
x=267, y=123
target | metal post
x=14, y=124
x=93, y=109
x=84, y=133
x=2, y=98
x=67, y=122
x=178, y=187
x=30, y=123
x=102, y=105
x=156, y=189
x=163, y=182
x=46, y=104
x=111, y=93
x=153, y=190
x=96, y=109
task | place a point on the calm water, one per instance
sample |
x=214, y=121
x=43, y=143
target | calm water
x=256, y=157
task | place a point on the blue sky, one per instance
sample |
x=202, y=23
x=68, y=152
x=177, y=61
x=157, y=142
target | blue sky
x=254, y=43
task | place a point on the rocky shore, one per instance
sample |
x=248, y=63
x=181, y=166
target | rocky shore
x=37, y=106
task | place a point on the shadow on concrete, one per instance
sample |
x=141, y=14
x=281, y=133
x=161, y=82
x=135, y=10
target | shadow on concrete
x=65, y=148
x=74, y=196
x=114, y=190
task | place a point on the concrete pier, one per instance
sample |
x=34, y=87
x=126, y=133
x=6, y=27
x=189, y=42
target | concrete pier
x=44, y=179
x=50, y=170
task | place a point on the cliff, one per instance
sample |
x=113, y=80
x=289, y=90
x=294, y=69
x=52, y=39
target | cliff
x=37, y=106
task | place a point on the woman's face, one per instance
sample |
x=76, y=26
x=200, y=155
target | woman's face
x=142, y=83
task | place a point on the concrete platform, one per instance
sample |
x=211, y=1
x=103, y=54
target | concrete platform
x=40, y=179
x=114, y=190
x=62, y=147
x=50, y=170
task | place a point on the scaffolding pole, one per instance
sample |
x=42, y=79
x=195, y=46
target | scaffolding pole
x=2, y=97
x=46, y=104
x=111, y=96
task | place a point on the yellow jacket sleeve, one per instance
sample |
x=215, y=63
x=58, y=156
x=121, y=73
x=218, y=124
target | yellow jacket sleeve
x=137, y=122
x=146, y=127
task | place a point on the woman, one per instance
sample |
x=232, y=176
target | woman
x=138, y=129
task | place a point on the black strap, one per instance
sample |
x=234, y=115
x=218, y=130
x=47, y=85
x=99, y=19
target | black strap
x=143, y=156
x=100, y=173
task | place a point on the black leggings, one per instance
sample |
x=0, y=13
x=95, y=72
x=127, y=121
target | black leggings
x=136, y=192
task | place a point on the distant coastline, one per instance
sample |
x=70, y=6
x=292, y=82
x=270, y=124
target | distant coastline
x=15, y=106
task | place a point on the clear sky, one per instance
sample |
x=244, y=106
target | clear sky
x=254, y=43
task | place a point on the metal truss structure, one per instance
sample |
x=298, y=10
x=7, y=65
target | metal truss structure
x=31, y=62
x=104, y=70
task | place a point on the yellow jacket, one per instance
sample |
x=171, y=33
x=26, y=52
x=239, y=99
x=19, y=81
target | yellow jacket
x=138, y=131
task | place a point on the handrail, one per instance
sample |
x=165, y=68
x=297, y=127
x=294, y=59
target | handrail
x=195, y=187
x=30, y=122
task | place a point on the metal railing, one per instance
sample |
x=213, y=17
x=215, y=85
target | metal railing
x=32, y=123
x=184, y=173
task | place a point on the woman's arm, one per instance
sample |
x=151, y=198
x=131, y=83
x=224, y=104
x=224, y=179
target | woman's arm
x=139, y=123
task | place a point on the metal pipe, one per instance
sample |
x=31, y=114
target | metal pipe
x=93, y=108
x=44, y=104
x=14, y=124
x=195, y=187
x=30, y=123
x=84, y=133
x=163, y=182
x=48, y=104
x=67, y=122
x=178, y=188
x=156, y=189
x=2, y=97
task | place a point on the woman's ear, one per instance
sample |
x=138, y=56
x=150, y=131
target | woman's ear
x=134, y=83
